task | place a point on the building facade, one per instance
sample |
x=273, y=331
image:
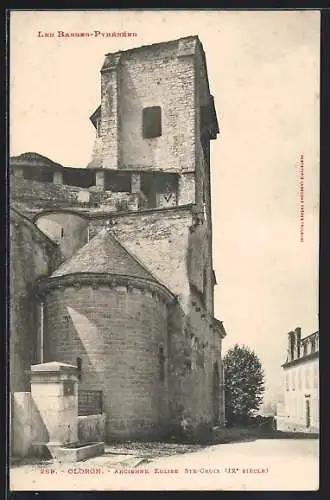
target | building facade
x=300, y=411
x=111, y=264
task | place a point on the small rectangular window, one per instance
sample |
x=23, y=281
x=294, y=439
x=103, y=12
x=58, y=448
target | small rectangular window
x=152, y=122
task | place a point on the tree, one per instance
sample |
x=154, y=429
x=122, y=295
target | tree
x=244, y=384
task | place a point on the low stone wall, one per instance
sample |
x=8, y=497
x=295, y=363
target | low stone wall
x=36, y=196
x=21, y=432
x=286, y=425
x=27, y=426
x=91, y=428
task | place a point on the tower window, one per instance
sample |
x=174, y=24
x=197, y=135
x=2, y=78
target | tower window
x=152, y=122
x=62, y=232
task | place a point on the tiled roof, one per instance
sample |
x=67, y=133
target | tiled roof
x=103, y=254
x=33, y=159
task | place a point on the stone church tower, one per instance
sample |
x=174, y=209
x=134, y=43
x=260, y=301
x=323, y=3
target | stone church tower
x=129, y=285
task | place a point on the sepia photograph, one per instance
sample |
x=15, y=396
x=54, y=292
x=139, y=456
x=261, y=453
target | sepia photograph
x=164, y=240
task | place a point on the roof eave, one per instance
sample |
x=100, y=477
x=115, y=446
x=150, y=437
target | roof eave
x=94, y=278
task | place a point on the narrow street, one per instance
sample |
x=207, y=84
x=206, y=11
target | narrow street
x=264, y=464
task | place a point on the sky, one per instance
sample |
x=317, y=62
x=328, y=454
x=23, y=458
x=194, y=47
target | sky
x=263, y=69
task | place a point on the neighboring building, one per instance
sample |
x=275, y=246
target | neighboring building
x=300, y=411
x=111, y=265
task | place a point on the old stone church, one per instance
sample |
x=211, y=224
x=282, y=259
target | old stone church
x=111, y=264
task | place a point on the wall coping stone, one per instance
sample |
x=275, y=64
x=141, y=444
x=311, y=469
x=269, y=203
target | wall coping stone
x=53, y=366
x=89, y=215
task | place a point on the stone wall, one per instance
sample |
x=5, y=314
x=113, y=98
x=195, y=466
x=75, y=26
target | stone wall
x=159, y=239
x=176, y=252
x=202, y=178
x=21, y=424
x=43, y=195
x=32, y=197
x=157, y=77
x=187, y=193
x=27, y=427
x=32, y=255
x=194, y=347
x=91, y=428
x=169, y=244
x=69, y=231
x=117, y=334
x=110, y=115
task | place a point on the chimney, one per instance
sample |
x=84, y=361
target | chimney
x=292, y=342
x=298, y=340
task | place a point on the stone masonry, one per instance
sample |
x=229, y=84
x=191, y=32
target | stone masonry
x=122, y=276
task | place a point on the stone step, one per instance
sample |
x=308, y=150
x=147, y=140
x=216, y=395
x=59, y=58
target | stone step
x=63, y=454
